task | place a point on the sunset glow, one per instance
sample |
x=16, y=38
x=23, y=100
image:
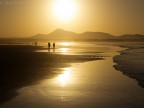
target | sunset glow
x=64, y=10
x=65, y=44
x=72, y=53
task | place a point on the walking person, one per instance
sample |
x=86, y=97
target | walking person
x=49, y=45
x=54, y=45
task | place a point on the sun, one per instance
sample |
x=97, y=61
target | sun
x=64, y=10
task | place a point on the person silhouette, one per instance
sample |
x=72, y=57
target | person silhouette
x=49, y=44
x=54, y=45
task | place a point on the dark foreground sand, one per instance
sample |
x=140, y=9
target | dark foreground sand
x=131, y=63
x=22, y=66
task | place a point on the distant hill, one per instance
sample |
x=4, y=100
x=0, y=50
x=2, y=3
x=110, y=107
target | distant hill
x=96, y=35
x=130, y=36
x=62, y=34
x=57, y=34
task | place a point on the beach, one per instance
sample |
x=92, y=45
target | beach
x=84, y=74
x=21, y=66
x=131, y=63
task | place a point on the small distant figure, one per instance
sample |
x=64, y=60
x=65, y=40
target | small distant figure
x=54, y=45
x=49, y=45
x=35, y=43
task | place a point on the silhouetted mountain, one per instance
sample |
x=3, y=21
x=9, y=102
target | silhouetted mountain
x=135, y=36
x=62, y=34
x=96, y=35
x=57, y=34
x=39, y=36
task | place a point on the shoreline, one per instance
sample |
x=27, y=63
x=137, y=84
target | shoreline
x=88, y=82
x=131, y=63
x=22, y=66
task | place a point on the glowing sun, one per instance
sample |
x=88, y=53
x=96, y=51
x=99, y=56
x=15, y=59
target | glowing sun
x=64, y=10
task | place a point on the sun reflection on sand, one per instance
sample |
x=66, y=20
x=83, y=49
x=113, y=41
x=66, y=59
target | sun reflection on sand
x=64, y=50
x=65, y=77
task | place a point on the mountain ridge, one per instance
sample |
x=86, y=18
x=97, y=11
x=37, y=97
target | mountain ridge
x=63, y=34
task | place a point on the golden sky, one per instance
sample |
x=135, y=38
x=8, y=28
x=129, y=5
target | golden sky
x=23, y=18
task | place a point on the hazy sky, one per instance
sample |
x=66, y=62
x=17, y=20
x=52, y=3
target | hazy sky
x=20, y=18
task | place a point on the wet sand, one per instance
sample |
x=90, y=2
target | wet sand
x=67, y=81
x=22, y=66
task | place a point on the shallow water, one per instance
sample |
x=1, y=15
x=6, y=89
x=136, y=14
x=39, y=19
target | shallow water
x=81, y=48
x=82, y=85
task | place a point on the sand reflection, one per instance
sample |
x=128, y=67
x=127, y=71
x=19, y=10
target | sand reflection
x=64, y=78
x=64, y=50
